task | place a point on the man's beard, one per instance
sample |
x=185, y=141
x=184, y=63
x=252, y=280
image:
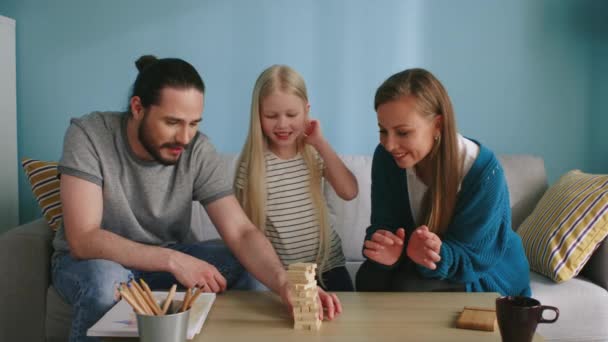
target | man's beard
x=147, y=142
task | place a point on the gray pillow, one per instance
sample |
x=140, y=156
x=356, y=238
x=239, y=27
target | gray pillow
x=596, y=268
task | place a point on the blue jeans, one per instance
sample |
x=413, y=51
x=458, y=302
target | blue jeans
x=90, y=286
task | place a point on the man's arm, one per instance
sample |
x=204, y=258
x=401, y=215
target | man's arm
x=82, y=203
x=247, y=242
x=256, y=253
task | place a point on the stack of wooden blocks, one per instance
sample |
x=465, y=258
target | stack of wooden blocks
x=301, y=277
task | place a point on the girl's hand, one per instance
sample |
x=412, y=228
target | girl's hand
x=424, y=248
x=329, y=303
x=385, y=247
x=313, y=134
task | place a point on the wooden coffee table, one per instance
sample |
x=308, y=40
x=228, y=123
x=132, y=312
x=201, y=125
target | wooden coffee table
x=246, y=316
x=260, y=316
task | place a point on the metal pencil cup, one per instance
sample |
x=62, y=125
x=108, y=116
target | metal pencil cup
x=171, y=327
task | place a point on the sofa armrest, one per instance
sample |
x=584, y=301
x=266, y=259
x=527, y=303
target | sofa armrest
x=25, y=258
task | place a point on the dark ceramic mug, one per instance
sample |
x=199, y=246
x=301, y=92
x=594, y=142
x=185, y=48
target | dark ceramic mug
x=519, y=316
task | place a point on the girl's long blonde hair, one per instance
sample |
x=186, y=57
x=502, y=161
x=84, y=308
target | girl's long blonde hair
x=252, y=196
x=431, y=100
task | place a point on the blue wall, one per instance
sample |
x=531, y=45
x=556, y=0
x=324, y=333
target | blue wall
x=598, y=156
x=519, y=71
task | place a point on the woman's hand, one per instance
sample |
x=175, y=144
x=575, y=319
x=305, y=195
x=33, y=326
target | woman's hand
x=385, y=247
x=424, y=248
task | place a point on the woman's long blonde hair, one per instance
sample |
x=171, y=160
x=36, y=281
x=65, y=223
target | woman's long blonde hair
x=252, y=196
x=431, y=100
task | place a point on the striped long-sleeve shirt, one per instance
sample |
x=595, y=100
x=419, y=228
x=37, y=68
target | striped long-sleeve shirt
x=291, y=223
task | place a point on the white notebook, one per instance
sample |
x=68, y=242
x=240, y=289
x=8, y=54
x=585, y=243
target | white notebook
x=120, y=321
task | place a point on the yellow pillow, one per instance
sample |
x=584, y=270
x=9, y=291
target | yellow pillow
x=45, y=186
x=569, y=221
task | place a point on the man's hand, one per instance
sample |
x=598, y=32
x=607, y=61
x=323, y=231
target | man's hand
x=385, y=247
x=190, y=272
x=424, y=248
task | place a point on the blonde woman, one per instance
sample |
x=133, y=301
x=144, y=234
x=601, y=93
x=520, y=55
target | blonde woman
x=280, y=177
x=441, y=218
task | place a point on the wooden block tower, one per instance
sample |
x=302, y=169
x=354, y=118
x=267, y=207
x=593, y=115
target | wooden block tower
x=301, y=277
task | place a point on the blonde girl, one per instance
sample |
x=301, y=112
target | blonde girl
x=279, y=181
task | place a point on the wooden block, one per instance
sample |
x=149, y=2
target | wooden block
x=302, y=266
x=314, y=307
x=303, y=297
x=296, y=272
x=314, y=325
x=477, y=319
x=301, y=326
x=290, y=271
x=306, y=316
x=301, y=271
x=310, y=293
x=300, y=277
x=310, y=307
x=318, y=324
x=297, y=301
x=302, y=287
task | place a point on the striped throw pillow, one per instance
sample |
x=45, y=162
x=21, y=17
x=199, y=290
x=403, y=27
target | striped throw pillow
x=43, y=178
x=566, y=226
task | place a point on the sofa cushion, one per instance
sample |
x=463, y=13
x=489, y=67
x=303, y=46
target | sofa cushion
x=351, y=218
x=583, y=309
x=43, y=179
x=25, y=259
x=527, y=182
x=570, y=220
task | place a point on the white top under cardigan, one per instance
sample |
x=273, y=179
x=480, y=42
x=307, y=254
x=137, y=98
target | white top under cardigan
x=468, y=151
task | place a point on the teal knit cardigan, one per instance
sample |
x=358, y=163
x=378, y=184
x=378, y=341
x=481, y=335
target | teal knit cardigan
x=479, y=247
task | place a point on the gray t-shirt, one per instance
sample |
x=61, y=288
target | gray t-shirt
x=143, y=201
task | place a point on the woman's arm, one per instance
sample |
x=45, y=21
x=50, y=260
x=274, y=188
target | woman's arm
x=478, y=235
x=390, y=212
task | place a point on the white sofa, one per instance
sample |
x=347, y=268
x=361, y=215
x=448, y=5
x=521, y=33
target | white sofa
x=25, y=263
x=583, y=305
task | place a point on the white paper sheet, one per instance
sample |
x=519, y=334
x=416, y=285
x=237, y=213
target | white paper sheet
x=120, y=321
